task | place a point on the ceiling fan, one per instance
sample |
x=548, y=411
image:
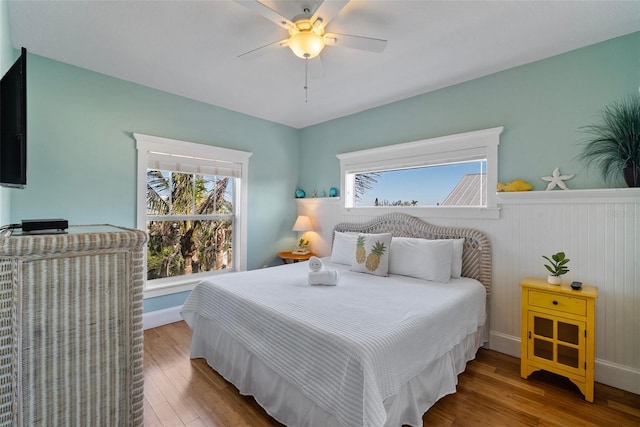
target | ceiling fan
x=307, y=36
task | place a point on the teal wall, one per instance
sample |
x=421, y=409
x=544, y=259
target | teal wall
x=165, y=301
x=82, y=155
x=6, y=59
x=541, y=106
x=6, y=48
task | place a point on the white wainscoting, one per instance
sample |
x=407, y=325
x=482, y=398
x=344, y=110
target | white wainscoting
x=598, y=229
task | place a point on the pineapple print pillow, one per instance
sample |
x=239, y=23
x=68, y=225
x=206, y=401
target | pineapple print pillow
x=372, y=254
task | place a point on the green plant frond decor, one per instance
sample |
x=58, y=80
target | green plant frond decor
x=558, y=263
x=614, y=144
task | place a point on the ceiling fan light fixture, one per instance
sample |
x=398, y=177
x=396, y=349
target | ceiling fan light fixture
x=306, y=44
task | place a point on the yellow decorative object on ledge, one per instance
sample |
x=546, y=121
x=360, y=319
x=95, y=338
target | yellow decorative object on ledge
x=516, y=185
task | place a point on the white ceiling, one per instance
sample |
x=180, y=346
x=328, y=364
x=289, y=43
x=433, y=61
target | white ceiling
x=191, y=48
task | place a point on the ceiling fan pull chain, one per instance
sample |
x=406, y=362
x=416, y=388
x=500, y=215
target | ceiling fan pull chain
x=306, y=75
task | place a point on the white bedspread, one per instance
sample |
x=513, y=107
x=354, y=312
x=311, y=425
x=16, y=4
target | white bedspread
x=346, y=347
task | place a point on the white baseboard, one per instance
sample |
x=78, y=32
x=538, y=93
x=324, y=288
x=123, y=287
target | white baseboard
x=503, y=343
x=609, y=373
x=161, y=317
x=618, y=376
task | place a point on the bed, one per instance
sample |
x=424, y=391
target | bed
x=374, y=350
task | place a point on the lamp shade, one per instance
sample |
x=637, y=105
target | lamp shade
x=303, y=223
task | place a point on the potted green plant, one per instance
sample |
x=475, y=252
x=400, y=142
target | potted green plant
x=557, y=267
x=614, y=146
x=302, y=248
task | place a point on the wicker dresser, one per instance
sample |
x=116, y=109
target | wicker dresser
x=71, y=328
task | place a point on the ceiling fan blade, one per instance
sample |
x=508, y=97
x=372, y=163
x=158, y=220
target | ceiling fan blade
x=355, y=42
x=257, y=52
x=316, y=70
x=327, y=10
x=267, y=12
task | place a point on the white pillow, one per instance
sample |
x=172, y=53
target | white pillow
x=371, y=254
x=344, y=245
x=456, y=258
x=421, y=258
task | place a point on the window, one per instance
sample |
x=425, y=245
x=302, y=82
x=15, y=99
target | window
x=446, y=176
x=190, y=202
x=448, y=184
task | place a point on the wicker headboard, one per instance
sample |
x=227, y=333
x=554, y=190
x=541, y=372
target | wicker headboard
x=476, y=253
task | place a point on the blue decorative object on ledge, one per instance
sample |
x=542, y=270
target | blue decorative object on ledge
x=333, y=192
x=300, y=194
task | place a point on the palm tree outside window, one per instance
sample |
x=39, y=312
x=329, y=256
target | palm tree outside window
x=189, y=222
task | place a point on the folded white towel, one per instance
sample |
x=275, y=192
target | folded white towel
x=324, y=277
x=315, y=264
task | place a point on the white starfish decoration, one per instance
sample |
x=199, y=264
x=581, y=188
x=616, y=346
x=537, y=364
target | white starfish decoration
x=557, y=179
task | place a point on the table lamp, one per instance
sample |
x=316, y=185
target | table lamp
x=302, y=224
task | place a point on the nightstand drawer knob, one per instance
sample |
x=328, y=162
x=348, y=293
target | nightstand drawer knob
x=564, y=303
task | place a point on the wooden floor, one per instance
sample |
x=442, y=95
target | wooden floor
x=183, y=392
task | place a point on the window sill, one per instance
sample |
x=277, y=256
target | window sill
x=428, y=211
x=176, y=285
x=168, y=290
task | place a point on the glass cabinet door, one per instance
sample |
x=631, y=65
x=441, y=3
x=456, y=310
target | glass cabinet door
x=557, y=341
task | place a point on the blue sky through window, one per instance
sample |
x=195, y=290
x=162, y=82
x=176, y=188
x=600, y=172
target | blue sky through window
x=430, y=185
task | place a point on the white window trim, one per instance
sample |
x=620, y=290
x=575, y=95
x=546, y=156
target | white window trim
x=423, y=153
x=147, y=144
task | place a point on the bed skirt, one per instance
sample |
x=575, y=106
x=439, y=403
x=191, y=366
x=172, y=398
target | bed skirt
x=286, y=404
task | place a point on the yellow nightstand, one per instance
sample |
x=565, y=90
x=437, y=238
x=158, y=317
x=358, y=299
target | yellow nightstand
x=558, y=331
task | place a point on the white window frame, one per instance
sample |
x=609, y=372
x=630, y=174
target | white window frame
x=147, y=145
x=426, y=152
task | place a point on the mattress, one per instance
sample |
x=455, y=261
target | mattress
x=348, y=352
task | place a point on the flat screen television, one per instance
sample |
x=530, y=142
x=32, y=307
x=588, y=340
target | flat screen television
x=13, y=124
